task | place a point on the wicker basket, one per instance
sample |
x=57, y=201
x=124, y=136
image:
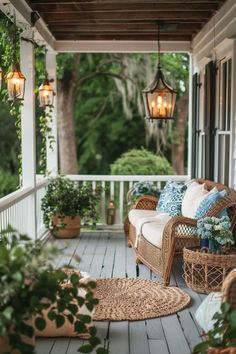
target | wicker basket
x=205, y=272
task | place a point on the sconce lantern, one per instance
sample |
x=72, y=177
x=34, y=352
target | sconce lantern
x=15, y=83
x=46, y=94
x=159, y=97
x=15, y=78
x=0, y=79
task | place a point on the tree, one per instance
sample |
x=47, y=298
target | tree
x=68, y=76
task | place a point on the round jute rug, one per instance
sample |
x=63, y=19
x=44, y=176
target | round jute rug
x=124, y=299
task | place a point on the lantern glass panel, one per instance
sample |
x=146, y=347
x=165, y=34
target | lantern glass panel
x=46, y=95
x=160, y=104
x=15, y=85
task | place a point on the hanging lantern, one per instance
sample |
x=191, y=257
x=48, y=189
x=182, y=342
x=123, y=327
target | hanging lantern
x=15, y=83
x=159, y=97
x=15, y=78
x=46, y=94
x=0, y=79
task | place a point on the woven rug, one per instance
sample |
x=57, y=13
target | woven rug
x=136, y=299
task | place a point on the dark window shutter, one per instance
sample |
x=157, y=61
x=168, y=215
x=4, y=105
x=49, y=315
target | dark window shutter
x=209, y=118
x=195, y=124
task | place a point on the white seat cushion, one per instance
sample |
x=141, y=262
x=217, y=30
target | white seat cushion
x=153, y=232
x=136, y=214
x=207, y=309
x=193, y=197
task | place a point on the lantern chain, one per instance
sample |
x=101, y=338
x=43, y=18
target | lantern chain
x=159, y=46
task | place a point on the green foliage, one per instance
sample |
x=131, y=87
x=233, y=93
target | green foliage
x=29, y=285
x=103, y=132
x=43, y=116
x=65, y=198
x=141, y=162
x=223, y=333
x=6, y=54
x=8, y=183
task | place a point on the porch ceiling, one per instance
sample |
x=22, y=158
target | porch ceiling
x=125, y=20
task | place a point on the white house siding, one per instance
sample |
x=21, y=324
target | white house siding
x=218, y=40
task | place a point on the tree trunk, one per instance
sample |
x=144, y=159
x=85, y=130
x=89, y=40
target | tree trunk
x=177, y=149
x=66, y=130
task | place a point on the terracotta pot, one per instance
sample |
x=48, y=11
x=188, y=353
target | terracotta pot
x=71, y=229
x=225, y=350
x=6, y=348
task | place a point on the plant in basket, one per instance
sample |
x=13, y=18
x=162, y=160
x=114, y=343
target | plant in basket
x=34, y=296
x=222, y=338
x=65, y=203
x=216, y=230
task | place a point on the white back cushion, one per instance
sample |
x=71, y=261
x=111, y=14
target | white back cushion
x=193, y=196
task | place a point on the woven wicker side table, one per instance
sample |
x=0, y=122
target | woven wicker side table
x=205, y=272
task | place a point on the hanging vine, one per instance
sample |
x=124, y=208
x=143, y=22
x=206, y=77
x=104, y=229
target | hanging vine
x=45, y=114
x=45, y=121
x=7, y=29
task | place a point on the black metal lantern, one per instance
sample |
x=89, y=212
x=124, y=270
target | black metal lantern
x=15, y=78
x=46, y=93
x=159, y=97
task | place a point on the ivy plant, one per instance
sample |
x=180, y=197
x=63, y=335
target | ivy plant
x=223, y=333
x=7, y=29
x=44, y=115
x=29, y=284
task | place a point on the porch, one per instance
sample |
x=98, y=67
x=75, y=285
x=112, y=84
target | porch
x=211, y=154
x=103, y=255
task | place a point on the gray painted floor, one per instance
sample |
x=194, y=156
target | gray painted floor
x=105, y=254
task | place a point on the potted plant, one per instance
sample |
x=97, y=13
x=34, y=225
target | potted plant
x=29, y=286
x=65, y=203
x=222, y=338
x=216, y=230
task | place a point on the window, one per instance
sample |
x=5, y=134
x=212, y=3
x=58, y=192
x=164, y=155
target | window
x=223, y=122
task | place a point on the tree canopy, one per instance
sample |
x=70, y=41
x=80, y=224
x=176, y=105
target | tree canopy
x=106, y=110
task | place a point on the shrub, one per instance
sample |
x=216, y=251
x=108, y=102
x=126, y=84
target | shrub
x=141, y=162
x=8, y=183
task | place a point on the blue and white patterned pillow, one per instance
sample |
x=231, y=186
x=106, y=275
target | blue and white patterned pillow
x=144, y=188
x=208, y=203
x=171, y=198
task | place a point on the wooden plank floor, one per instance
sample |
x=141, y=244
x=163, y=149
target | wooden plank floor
x=105, y=254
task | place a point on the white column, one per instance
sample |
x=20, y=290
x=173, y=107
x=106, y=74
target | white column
x=52, y=154
x=28, y=131
x=190, y=110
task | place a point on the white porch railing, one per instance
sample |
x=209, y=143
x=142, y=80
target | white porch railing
x=116, y=188
x=15, y=209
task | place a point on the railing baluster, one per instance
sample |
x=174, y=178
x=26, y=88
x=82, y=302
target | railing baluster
x=94, y=186
x=103, y=199
x=112, y=190
x=121, y=201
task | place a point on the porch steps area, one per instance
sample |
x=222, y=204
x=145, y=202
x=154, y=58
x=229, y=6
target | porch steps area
x=105, y=254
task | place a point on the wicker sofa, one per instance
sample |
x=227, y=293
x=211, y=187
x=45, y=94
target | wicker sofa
x=177, y=233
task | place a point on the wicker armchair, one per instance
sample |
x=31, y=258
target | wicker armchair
x=178, y=232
